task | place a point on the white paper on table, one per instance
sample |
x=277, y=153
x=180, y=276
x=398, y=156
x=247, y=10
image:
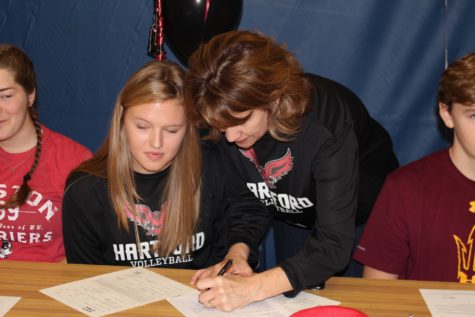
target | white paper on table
x=189, y=306
x=449, y=303
x=112, y=292
x=6, y=303
x=278, y=306
x=302, y=301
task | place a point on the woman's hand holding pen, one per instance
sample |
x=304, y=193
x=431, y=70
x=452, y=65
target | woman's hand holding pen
x=231, y=291
x=239, y=267
x=228, y=292
x=238, y=253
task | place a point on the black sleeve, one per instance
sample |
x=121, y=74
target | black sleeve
x=213, y=208
x=376, y=154
x=327, y=249
x=248, y=218
x=335, y=171
x=80, y=221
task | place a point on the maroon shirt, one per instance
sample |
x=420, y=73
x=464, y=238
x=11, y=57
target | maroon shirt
x=423, y=223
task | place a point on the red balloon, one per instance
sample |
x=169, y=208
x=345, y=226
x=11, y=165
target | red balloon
x=329, y=311
x=188, y=23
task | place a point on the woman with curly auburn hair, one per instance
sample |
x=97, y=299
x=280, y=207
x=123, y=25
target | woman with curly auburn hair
x=293, y=139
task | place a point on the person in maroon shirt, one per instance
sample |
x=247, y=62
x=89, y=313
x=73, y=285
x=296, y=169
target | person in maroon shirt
x=423, y=221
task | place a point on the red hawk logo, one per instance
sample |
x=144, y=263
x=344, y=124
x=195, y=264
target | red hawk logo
x=151, y=221
x=273, y=170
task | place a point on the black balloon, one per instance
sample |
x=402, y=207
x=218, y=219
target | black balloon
x=186, y=26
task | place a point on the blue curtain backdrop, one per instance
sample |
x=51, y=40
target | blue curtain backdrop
x=391, y=53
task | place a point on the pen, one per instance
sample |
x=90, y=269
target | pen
x=225, y=267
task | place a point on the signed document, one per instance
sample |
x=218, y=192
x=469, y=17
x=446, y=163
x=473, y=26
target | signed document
x=278, y=306
x=113, y=292
x=6, y=303
x=449, y=303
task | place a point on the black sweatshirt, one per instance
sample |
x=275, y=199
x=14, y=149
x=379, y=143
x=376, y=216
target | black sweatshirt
x=312, y=181
x=91, y=233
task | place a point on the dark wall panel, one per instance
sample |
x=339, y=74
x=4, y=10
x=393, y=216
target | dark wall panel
x=390, y=53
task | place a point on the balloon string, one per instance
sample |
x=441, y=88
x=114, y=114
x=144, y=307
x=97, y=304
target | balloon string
x=207, y=9
x=160, y=36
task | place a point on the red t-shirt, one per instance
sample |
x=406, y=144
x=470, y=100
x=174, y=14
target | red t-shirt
x=422, y=225
x=32, y=232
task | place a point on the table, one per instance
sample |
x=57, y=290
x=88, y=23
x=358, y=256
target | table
x=374, y=297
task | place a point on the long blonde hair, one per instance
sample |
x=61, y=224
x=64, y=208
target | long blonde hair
x=154, y=82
